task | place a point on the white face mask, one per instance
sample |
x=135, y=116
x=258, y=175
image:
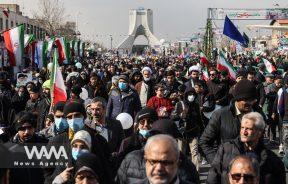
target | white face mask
x=191, y=98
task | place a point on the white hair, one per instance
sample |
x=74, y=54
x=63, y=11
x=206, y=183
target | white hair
x=156, y=139
x=257, y=118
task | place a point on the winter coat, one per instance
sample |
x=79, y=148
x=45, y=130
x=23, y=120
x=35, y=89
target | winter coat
x=272, y=169
x=93, y=92
x=99, y=147
x=119, y=102
x=115, y=133
x=223, y=126
x=25, y=175
x=191, y=121
x=132, y=169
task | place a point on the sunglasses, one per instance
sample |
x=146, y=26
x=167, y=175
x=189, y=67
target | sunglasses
x=247, y=177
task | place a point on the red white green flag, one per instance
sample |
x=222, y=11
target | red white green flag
x=14, y=41
x=205, y=75
x=269, y=67
x=58, y=92
x=223, y=64
x=62, y=49
x=204, y=59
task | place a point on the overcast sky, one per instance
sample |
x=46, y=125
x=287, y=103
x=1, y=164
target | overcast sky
x=172, y=18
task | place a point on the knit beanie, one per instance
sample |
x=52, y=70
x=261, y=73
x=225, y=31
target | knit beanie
x=74, y=107
x=165, y=126
x=245, y=89
x=84, y=136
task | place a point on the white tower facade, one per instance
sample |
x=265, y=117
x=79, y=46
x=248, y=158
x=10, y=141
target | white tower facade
x=140, y=23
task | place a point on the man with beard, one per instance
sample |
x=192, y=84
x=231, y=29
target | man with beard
x=96, y=87
x=194, y=74
x=25, y=124
x=110, y=129
x=217, y=88
x=170, y=85
x=224, y=124
x=43, y=106
x=145, y=87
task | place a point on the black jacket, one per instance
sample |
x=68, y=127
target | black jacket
x=115, y=133
x=25, y=175
x=99, y=148
x=223, y=126
x=272, y=169
x=132, y=169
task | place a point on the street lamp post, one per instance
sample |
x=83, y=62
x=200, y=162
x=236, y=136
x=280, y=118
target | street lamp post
x=111, y=39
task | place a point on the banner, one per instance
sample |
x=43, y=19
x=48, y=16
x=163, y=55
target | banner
x=253, y=14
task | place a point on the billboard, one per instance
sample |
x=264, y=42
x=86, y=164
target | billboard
x=249, y=14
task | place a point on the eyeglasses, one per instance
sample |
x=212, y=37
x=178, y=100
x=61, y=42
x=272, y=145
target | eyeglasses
x=165, y=163
x=247, y=177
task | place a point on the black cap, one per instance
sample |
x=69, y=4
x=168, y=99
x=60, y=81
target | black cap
x=146, y=113
x=73, y=106
x=165, y=126
x=76, y=90
x=34, y=89
x=245, y=89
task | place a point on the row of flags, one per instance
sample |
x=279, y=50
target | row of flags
x=17, y=44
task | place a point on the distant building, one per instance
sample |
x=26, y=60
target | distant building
x=16, y=17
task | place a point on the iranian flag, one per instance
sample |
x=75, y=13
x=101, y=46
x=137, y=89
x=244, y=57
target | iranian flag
x=50, y=42
x=14, y=41
x=62, y=49
x=204, y=59
x=223, y=64
x=28, y=38
x=205, y=75
x=269, y=67
x=6, y=12
x=76, y=48
x=58, y=92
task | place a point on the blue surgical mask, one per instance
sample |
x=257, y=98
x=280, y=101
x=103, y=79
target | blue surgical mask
x=122, y=86
x=76, y=124
x=144, y=133
x=61, y=124
x=76, y=153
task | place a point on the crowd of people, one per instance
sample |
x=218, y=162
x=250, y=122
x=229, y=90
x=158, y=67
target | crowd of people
x=179, y=120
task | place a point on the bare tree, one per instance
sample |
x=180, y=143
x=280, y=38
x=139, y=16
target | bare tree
x=50, y=15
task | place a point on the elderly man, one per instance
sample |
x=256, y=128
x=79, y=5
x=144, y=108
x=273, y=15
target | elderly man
x=145, y=88
x=243, y=169
x=161, y=154
x=250, y=143
x=224, y=124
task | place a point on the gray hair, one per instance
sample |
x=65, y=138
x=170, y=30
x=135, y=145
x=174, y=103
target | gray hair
x=257, y=118
x=101, y=100
x=253, y=161
x=156, y=138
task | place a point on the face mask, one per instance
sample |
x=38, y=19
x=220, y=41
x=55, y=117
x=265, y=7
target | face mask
x=191, y=98
x=144, y=133
x=122, y=86
x=146, y=78
x=75, y=124
x=61, y=124
x=76, y=153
